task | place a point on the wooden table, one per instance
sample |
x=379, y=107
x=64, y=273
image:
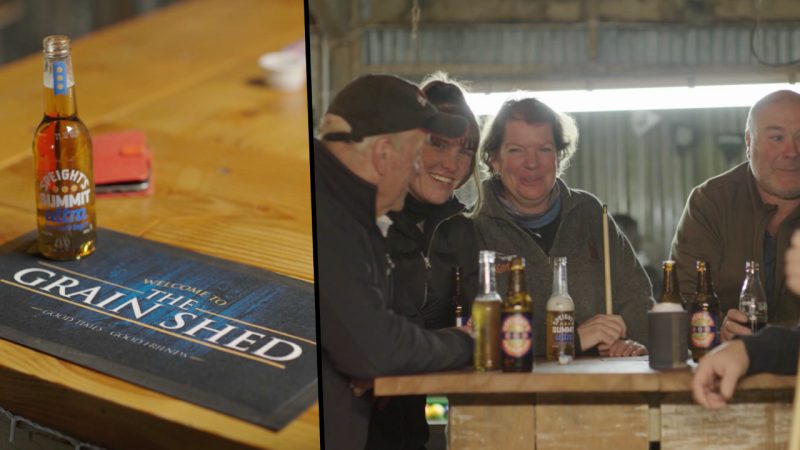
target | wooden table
x=601, y=404
x=232, y=180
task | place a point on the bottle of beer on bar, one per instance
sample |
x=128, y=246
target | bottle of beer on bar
x=516, y=321
x=486, y=316
x=753, y=300
x=669, y=291
x=560, y=323
x=704, y=317
x=458, y=301
x=62, y=158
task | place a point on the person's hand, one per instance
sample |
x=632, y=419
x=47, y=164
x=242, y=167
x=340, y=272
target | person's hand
x=360, y=387
x=601, y=329
x=735, y=322
x=466, y=328
x=622, y=347
x=793, y=264
x=717, y=374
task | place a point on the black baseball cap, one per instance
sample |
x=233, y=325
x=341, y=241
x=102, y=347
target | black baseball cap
x=383, y=104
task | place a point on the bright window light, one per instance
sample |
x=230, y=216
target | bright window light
x=634, y=99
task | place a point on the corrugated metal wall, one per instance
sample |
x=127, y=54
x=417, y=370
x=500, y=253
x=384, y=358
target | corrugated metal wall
x=638, y=170
x=644, y=172
x=554, y=45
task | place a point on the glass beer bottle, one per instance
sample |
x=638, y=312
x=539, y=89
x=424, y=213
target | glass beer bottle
x=486, y=317
x=753, y=299
x=62, y=158
x=458, y=302
x=516, y=319
x=703, y=315
x=669, y=291
x=560, y=323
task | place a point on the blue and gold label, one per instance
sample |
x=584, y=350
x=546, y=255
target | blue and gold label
x=60, y=82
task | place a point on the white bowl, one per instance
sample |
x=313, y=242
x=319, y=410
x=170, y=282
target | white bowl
x=285, y=70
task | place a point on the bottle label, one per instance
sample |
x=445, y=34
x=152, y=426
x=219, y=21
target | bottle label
x=64, y=195
x=703, y=329
x=61, y=79
x=563, y=328
x=516, y=334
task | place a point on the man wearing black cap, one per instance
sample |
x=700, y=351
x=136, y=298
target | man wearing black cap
x=370, y=140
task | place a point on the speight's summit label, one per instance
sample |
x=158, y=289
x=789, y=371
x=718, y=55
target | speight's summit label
x=563, y=328
x=64, y=195
x=227, y=336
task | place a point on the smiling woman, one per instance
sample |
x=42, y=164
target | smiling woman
x=527, y=210
x=427, y=241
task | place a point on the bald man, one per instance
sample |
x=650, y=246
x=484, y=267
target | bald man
x=748, y=213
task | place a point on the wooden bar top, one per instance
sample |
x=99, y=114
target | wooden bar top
x=582, y=375
x=232, y=180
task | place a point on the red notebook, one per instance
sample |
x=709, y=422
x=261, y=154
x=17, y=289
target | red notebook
x=122, y=164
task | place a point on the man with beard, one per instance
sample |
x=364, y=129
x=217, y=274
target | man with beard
x=748, y=213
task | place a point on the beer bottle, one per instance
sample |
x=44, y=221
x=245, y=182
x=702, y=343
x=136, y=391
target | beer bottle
x=486, y=317
x=669, y=291
x=516, y=321
x=753, y=300
x=458, y=302
x=560, y=323
x=703, y=315
x=62, y=158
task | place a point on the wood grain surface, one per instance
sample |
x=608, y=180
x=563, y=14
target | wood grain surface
x=615, y=403
x=756, y=420
x=583, y=375
x=231, y=168
x=492, y=423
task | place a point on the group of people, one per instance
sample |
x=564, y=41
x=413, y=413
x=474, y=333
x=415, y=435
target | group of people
x=390, y=232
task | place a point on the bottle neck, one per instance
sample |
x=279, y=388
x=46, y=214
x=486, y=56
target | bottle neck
x=752, y=282
x=669, y=291
x=560, y=279
x=517, y=282
x=457, y=284
x=59, y=87
x=669, y=280
x=703, y=282
x=749, y=277
x=753, y=273
x=487, y=278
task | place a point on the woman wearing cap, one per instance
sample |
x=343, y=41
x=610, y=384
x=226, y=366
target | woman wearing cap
x=526, y=209
x=427, y=240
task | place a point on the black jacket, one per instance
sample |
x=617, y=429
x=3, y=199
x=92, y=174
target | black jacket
x=774, y=349
x=424, y=259
x=360, y=337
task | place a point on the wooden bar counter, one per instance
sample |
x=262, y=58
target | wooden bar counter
x=231, y=163
x=601, y=403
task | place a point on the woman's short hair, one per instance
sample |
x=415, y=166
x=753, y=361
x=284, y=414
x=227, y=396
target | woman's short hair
x=530, y=110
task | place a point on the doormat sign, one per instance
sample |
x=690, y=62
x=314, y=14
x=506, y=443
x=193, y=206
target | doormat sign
x=230, y=337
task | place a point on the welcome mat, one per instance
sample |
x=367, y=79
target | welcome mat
x=230, y=337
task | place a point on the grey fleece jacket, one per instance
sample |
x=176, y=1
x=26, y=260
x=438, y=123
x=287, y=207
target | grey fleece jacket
x=580, y=239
